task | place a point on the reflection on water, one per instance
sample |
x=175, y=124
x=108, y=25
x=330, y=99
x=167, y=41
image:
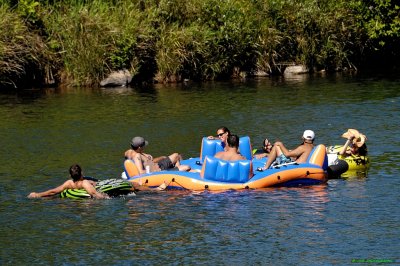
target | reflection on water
x=44, y=132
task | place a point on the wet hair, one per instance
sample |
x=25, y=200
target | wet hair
x=233, y=141
x=225, y=129
x=76, y=172
x=363, y=150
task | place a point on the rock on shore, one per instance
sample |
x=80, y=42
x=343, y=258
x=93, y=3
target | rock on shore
x=294, y=70
x=117, y=79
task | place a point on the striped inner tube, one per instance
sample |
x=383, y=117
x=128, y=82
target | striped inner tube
x=112, y=187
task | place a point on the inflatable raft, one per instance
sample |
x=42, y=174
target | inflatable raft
x=112, y=187
x=346, y=166
x=210, y=173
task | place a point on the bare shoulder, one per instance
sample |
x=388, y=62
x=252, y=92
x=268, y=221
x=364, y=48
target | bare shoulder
x=69, y=184
x=219, y=155
x=136, y=156
x=86, y=183
x=238, y=156
x=306, y=148
x=309, y=147
x=131, y=154
x=128, y=154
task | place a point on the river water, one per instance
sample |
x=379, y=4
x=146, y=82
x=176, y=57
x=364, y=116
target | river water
x=339, y=223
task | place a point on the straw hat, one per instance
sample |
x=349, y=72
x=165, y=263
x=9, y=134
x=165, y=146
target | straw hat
x=359, y=138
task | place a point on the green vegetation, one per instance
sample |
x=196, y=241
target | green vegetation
x=80, y=42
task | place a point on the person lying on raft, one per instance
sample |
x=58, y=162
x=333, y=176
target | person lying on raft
x=141, y=159
x=283, y=155
x=265, y=151
x=77, y=182
x=231, y=153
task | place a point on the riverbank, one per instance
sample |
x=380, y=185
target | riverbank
x=76, y=43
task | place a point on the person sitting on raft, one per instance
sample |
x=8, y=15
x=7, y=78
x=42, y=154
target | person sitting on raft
x=231, y=153
x=222, y=134
x=77, y=182
x=356, y=142
x=265, y=150
x=283, y=155
x=141, y=159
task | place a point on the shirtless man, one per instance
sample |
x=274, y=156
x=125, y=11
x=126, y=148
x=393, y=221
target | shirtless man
x=142, y=160
x=231, y=152
x=283, y=155
x=77, y=182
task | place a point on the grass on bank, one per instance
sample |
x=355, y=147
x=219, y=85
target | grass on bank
x=80, y=42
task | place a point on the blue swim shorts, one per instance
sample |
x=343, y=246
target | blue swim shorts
x=281, y=159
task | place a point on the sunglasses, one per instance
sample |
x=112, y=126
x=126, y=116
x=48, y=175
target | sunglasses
x=220, y=134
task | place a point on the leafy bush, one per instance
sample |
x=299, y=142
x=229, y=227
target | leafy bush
x=24, y=57
x=82, y=41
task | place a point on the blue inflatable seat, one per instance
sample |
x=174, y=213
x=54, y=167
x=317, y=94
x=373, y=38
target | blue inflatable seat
x=227, y=171
x=245, y=147
x=210, y=147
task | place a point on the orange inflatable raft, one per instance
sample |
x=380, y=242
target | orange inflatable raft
x=210, y=173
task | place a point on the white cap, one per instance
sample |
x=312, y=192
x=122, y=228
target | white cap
x=309, y=134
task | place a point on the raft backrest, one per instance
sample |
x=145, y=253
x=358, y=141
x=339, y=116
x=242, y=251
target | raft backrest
x=211, y=147
x=318, y=156
x=130, y=169
x=227, y=171
x=245, y=147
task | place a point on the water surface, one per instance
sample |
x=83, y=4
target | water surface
x=43, y=133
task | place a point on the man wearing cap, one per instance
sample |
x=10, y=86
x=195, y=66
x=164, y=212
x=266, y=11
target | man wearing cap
x=283, y=155
x=143, y=160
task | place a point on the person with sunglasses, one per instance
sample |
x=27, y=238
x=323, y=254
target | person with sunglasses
x=265, y=151
x=222, y=134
